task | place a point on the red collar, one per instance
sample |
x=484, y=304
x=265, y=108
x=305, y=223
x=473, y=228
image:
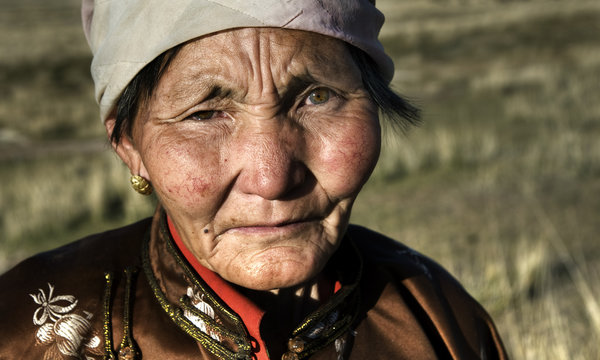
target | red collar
x=250, y=313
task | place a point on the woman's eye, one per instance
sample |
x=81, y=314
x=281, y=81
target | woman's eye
x=202, y=115
x=318, y=96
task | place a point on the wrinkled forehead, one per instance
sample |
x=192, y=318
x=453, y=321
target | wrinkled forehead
x=281, y=50
x=269, y=58
x=127, y=35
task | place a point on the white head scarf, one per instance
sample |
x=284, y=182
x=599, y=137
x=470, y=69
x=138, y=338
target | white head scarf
x=126, y=35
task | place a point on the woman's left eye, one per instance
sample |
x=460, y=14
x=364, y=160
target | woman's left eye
x=318, y=96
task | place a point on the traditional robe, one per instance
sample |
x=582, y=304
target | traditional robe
x=131, y=293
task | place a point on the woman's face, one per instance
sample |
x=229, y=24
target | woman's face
x=257, y=142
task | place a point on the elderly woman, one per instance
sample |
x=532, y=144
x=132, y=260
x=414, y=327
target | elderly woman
x=256, y=125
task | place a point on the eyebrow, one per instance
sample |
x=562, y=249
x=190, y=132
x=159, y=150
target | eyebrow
x=295, y=86
x=217, y=91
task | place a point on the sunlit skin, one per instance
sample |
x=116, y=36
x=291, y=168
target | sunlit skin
x=256, y=142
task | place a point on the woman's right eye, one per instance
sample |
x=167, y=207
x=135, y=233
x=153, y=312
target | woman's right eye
x=202, y=115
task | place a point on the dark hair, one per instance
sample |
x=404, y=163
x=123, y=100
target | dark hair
x=399, y=112
x=138, y=93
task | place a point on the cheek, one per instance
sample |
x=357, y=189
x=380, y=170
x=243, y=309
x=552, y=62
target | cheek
x=182, y=173
x=348, y=155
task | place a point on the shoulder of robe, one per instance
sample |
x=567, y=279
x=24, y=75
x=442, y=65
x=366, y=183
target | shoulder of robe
x=69, y=281
x=459, y=319
x=396, y=257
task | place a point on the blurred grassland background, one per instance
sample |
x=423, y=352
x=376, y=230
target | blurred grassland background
x=501, y=184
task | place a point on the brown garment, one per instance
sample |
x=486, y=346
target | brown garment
x=394, y=304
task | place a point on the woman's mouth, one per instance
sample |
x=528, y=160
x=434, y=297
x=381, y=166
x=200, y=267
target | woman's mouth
x=279, y=228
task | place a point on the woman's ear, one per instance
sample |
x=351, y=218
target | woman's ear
x=126, y=149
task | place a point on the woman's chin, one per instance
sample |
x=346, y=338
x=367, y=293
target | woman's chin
x=289, y=263
x=274, y=275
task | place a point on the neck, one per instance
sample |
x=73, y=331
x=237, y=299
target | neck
x=296, y=302
x=286, y=308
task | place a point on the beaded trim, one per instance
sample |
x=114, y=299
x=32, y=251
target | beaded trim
x=107, y=325
x=128, y=349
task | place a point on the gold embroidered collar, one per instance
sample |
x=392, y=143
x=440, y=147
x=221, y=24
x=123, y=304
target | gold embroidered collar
x=194, y=307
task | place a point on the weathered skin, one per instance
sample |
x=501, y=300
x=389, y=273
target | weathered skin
x=257, y=142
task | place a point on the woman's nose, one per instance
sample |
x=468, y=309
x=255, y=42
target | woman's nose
x=269, y=163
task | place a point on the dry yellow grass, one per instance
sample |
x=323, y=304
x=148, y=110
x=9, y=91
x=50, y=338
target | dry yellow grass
x=501, y=183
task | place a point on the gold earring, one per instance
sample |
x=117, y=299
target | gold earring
x=141, y=185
